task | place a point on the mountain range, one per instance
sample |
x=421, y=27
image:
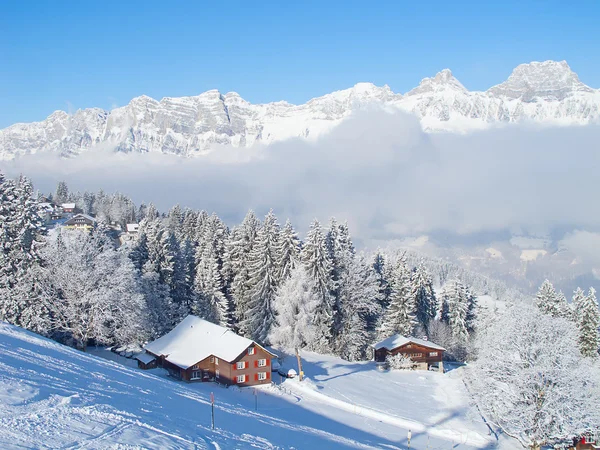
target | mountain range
x=545, y=92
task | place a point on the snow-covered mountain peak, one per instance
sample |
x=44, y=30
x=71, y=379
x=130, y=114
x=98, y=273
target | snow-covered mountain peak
x=550, y=80
x=545, y=92
x=442, y=81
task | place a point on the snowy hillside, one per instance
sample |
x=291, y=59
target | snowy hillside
x=52, y=396
x=546, y=92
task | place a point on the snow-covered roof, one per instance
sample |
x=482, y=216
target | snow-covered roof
x=195, y=339
x=144, y=358
x=68, y=205
x=132, y=227
x=79, y=216
x=398, y=340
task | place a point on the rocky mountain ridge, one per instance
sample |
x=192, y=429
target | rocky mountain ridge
x=546, y=92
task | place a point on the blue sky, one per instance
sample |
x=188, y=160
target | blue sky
x=73, y=54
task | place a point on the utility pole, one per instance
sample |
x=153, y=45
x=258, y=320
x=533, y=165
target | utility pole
x=212, y=407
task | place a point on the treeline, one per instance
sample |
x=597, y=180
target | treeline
x=82, y=288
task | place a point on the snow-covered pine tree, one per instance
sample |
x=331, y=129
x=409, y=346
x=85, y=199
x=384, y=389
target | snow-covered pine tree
x=21, y=227
x=235, y=267
x=316, y=263
x=381, y=271
x=295, y=305
x=341, y=255
x=151, y=212
x=190, y=223
x=423, y=295
x=263, y=281
x=400, y=316
x=62, y=193
x=212, y=302
x=588, y=322
x=551, y=302
x=471, y=319
x=175, y=220
x=358, y=294
x=289, y=251
x=455, y=294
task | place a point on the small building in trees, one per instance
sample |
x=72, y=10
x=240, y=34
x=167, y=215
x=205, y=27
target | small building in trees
x=198, y=350
x=70, y=208
x=80, y=222
x=424, y=354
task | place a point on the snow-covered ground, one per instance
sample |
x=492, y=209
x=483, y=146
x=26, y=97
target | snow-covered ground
x=52, y=396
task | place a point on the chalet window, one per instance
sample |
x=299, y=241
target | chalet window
x=262, y=362
x=262, y=376
x=196, y=374
x=195, y=366
x=217, y=361
x=212, y=359
x=433, y=353
x=241, y=378
x=251, y=351
x=241, y=365
x=417, y=354
x=217, y=373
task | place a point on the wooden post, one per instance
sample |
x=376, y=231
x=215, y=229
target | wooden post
x=212, y=407
x=255, y=400
x=300, y=373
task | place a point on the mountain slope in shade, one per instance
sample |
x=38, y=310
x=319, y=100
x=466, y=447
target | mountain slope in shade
x=545, y=92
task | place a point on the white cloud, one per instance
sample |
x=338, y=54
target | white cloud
x=377, y=170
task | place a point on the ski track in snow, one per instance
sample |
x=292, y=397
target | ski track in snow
x=52, y=396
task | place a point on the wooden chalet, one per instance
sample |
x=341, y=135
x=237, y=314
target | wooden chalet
x=198, y=350
x=80, y=222
x=425, y=354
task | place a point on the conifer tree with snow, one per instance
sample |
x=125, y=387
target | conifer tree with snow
x=21, y=227
x=263, y=281
x=236, y=271
x=341, y=254
x=295, y=305
x=456, y=296
x=358, y=293
x=289, y=251
x=424, y=295
x=400, y=316
x=316, y=263
x=551, y=302
x=62, y=193
x=588, y=322
x=212, y=302
x=381, y=271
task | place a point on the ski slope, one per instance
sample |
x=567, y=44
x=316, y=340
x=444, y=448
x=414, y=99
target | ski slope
x=52, y=396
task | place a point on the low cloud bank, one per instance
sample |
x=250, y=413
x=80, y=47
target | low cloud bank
x=377, y=170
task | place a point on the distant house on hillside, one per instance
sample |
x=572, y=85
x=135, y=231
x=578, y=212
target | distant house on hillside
x=70, y=208
x=132, y=228
x=80, y=222
x=198, y=350
x=425, y=354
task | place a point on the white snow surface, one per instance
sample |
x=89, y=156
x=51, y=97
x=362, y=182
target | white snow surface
x=195, y=339
x=398, y=340
x=52, y=396
x=545, y=92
